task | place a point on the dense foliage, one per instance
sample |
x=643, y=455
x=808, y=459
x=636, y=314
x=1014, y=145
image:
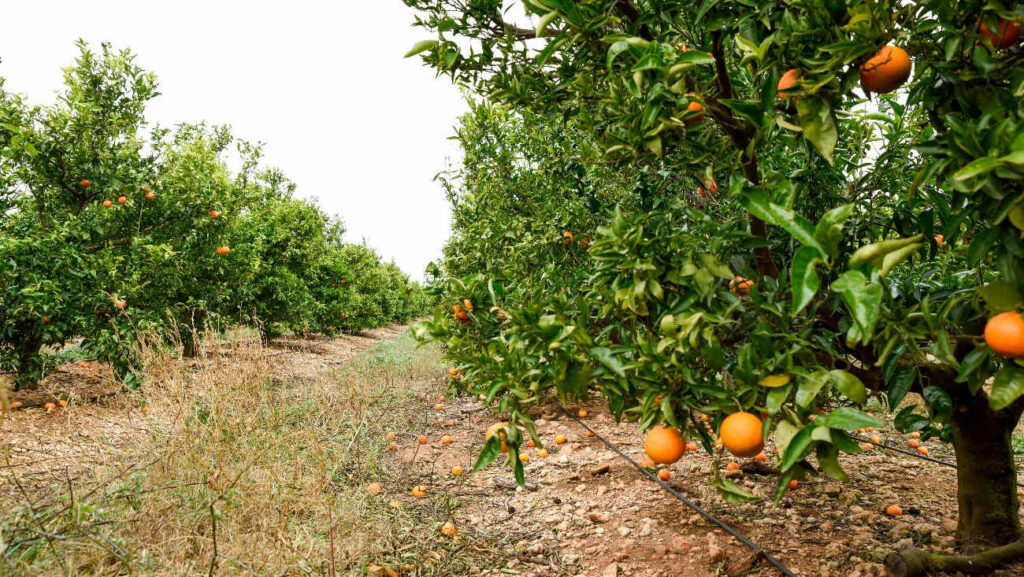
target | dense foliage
x=879, y=232
x=111, y=229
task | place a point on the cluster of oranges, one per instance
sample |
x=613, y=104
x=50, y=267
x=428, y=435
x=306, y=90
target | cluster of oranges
x=461, y=311
x=568, y=238
x=890, y=67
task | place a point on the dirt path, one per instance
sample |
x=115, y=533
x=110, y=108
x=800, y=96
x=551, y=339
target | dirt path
x=586, y=511
x=575, y=522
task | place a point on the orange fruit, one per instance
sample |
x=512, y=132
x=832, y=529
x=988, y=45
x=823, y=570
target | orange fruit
x=524, y=457
x=542, y=454
x=1004, y=334
x=914, y=443
x=107, y=204
x=150, y=195
x=223, y=250
x=121, y=304
x=940, y=240
x=531, y=443
x=392, y=447
x=49, y=407
x=214, y=214
x=741, y=434
x=62, y=403
x=446, y=440
x=732, y=467
x=1009, y=31
x=664, y=474
x=457, y=470
x=923, y=450
x=760, y=457
x=894, y=510
x=664, y=445
x=46, y=320
x=452, y=371
x=712, y=187
x=787, y=81
x=375, y=488
x=16, y=405
x=740, y=286
x=691, y=446
x=419, y=491
x=440, y=421
x=441, y=399
x=867, y=446
x=85, y=183
x=705, y=418
x=496, y=429
x=695, y=107
x=793, y=484
x=589, y=433
x=144, y=410
x=95, y=378
x=648, y=464
x=559, y=439
x=915, y=434
x=468, y=304
x=886, y=71
x=448, y=529
x=451, y=422
x=582, y=414
x=422, y=439
x=876, y=439
x=392, y=436
x=121, y=200
x=439, y=407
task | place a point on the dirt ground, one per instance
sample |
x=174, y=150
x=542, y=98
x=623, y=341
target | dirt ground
x=585, y=511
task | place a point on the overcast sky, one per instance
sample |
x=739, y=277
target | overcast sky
x=323, y=84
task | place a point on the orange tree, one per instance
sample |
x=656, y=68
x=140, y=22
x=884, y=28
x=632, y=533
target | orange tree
x=69, y=170
x=877, y=216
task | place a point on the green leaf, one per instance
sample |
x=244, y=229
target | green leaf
x=876, y=253
x=421, y=46
x=798, y=448
x=490, y=452
x=900, y=386
x=981, y=244
x=849, y=385
x=939, y=401
x=1007, y=387
x=804, y=277
x=608, y=359
x=819, y=125
x=733, y=493
x=809, y=388
x=774, y=381
x=862, y=298
x=977, y=168
x=546, y=21
x=828, y=461
x=1000, y=296
x=829, y=230
x=847, y=418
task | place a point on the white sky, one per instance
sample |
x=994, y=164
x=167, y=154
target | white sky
x=323, y=84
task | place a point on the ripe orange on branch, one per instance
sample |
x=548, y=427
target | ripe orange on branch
x=741, y=434
x=497, y=429
x=886, y=71
x=1009, y=32
x=787, y=82
x=1004, y=334
x=223, y=250
x=122, y=200
x=664, y=445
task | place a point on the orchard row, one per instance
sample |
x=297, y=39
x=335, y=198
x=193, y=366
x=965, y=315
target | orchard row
x=113, y=231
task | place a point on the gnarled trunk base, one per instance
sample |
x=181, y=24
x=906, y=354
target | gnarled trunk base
x=914, y=562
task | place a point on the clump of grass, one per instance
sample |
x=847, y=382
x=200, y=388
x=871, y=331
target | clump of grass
x=237, y=472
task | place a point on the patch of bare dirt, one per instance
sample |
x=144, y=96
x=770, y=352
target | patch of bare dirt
x=588, y=512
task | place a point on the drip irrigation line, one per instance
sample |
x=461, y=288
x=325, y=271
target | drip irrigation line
x=757, y=550
x=911, y=453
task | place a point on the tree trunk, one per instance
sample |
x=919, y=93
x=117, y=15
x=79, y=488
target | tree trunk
x=29, y=364
x=986, y=475
x=189, y=345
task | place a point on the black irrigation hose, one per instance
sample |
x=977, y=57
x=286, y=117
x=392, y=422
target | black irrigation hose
x=911, y=453
x=739, y=537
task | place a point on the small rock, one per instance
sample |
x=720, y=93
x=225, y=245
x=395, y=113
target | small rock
x=832, y=490
x=600, y=469
x=827, y=526
x=598, y=517
x=624, y=530
x=611, y=570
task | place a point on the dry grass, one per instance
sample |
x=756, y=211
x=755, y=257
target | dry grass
x=239, y=469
